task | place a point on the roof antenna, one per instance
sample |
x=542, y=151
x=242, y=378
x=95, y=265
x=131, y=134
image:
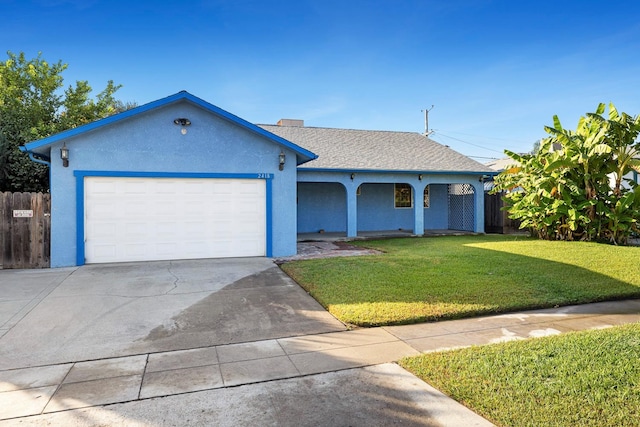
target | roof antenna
x=427, y=132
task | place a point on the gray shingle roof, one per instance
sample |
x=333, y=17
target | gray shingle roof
x=375, y=150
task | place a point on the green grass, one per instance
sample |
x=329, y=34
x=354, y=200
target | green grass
x=426, y=279
x=577, y=379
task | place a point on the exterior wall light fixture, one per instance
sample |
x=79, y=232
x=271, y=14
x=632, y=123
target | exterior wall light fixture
x=184, y=122
x=281, y=159
x=64, y=155
x=420, y=177
x=353, y=175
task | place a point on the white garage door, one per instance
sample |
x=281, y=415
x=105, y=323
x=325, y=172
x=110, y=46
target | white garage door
x=138, y=219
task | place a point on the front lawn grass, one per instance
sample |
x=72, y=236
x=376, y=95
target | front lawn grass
x=587, y=378
x=426, y=279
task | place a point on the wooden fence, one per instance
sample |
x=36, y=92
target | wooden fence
x=25, y=230
x=495, y=219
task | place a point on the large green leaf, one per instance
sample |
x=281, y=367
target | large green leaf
x=556, y=123
x=613, y=112
x=600, y=149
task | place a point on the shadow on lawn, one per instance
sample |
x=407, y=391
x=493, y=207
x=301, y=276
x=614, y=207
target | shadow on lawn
x=415, y=282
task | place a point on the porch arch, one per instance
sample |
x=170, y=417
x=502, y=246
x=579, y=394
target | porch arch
x=322, y=207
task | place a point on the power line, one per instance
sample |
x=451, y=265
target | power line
x=481, y=157
x=469, y=143
x=485, y=137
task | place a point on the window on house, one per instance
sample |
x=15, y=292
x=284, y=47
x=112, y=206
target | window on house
x=426, y=196
x=402, y=196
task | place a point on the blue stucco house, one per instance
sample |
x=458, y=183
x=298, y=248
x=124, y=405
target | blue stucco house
x=180, y=178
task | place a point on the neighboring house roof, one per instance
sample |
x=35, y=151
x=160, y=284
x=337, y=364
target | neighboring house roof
x=340, y=149
x=501, y=164
x=42, y=146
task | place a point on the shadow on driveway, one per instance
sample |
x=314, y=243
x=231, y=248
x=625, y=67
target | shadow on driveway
x=100, y=311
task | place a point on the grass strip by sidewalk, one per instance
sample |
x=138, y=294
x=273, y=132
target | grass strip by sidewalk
x=589, y=378
x=425, y=279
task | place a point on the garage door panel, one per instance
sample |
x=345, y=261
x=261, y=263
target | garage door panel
x=102, y=209
x=134, y=219
x=191, y=226
x=136, y=229
x=165, y=227
x=164, y=249
x=167, y=208
x=246, y=207
x=135, y=209
x=103, y=229
x=249, y=232
x=195, y=188
x=247, y=188
x=222, y=187
x=195, y=208
x=134, y=187
x=135, y=250
x=101, y=187
x=104, y=251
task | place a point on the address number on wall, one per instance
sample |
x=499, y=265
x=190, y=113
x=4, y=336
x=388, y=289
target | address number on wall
x=22, y=213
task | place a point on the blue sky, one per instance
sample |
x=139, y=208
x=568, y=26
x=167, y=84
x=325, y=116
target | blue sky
x=495, y=71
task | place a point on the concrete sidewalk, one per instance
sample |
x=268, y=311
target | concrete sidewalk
x=40, y=393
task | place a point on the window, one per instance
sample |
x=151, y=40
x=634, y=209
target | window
x=426, y=196
x=403, y=196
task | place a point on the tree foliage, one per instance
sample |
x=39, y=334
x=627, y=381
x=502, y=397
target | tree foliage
x=573, y=187
x=33, y=105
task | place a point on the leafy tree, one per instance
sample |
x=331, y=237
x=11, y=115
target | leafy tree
x=34, y=106
x=572, y=187
x=536, y=147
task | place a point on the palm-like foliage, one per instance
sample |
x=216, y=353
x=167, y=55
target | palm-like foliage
x=572, y=187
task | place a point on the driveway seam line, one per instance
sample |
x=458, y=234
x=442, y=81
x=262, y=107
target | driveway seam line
x=144, y=372
x=39, y=298
x=58, y=387
x=288, y=357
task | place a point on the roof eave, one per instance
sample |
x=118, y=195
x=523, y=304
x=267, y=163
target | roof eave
x=391, y=171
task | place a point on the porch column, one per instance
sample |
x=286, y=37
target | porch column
x=352, y=210
x=418, y=208
x=478, y=195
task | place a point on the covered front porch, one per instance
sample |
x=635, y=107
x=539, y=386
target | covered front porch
x=348, y=205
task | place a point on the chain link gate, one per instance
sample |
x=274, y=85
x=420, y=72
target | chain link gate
x=461, y=207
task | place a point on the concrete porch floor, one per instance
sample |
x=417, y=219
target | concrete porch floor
x=368, y=235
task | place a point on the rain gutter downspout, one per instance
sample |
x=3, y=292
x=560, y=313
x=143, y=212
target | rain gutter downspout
x=46, y=161
x=43, y=160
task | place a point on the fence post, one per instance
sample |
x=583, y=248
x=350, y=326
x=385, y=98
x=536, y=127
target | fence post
x=3, y=222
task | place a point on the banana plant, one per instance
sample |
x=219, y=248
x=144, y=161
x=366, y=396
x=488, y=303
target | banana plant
x=622, y=134
x=564, y=190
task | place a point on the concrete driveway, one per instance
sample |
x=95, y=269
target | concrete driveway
x=206, y=342
x=101, y=311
